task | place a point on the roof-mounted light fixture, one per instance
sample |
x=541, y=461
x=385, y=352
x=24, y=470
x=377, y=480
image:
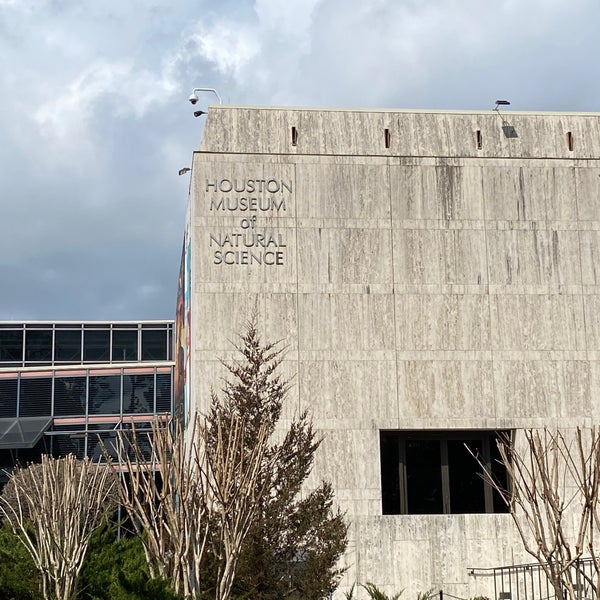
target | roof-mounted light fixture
x=507, y=128
x=500, y=103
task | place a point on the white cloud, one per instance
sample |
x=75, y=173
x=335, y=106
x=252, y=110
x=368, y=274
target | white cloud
x=228, y=46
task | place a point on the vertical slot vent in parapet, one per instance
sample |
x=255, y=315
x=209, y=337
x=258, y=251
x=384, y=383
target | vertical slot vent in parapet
x=387, y=136
x=570, y=140
x=478, y=139
x=294, y=136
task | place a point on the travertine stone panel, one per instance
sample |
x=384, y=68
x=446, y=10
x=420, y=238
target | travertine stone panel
x=589, y=242
x=442, y=322
x=561, y=197
x=342, y=456
x=536, y=257
x=445, y=389
x=342, y=191
x=436, y=256
x=594, y=370
x=592, y=321
x=536, y=193
x=587, y=181
x=537, y=322
x=528, y=389
x=576, y=398
x=346, y=321
x=443, y=192
x=276, y=319
x=349, y=394
x=504, y=192
x=342, y=256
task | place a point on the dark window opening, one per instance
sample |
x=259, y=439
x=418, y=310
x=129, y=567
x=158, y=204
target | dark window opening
x=67, y=345
x=125, y=345
x=154, y=344
x=96, y=345
x=424, y=472
x=11, y=345
x=38, y=346
x=479, y=139
x=388, y=137
x=8, y=398
x=36, y=397
x=570, y=140
x=294, y=136
x=69, y=396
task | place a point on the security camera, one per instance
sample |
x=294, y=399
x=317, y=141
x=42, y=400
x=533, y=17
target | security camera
x=193, y=98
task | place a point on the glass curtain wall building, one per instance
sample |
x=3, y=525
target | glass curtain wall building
x=64, y=386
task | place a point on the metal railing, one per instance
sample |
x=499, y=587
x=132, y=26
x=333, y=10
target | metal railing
x=529, y=581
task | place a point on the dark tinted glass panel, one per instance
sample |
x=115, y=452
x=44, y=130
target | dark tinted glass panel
x=96, y=345
x=466, y=484
x=8, y=398
x=498, y=470
x=424, y=477
x=72, y=441
x=36, y=397
x=163, y=392
x=104, y=395
x=11, y=345
x=69, y=396
x=390, y=474
x=154, y=344
x=102, y=442
x=34, y=455
x=124, y=345
x=67, y=345
x=38, y=346
x=138, y=394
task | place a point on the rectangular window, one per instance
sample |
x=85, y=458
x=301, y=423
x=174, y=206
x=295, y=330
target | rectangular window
x=124, y=345
x=69, y=396
x=36, y=397
x=154, y=344
x=11, y=346
x=96, y=345
x=67, y=345
x=38, y=346
x=427, y=472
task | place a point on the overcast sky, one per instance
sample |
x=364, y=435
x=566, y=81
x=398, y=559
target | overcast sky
x=95, y=123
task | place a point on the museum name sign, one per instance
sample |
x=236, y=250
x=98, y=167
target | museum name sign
x=251, y=245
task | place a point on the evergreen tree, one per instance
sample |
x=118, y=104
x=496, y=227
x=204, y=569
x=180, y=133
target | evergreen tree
x=293, y=547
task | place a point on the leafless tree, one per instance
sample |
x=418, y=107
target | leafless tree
x=185, y=498
x=552, y=496
x=237, y=483
x=166, y=500
x=54, y=507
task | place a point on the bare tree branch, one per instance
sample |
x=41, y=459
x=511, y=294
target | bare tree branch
x=54, y=507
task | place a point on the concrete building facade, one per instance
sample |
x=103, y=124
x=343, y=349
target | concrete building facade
x=435, y=278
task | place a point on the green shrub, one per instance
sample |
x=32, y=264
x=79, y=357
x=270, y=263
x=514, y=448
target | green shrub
x=376, y=594
x=117, y=570
x=18, y=576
